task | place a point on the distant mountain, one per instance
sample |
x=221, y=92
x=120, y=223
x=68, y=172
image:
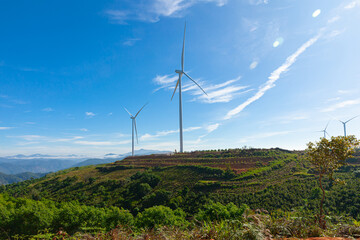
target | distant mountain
x=15, y=166
x=112, y=157
x=13, y=178
x=40, y=163
x=95, y=161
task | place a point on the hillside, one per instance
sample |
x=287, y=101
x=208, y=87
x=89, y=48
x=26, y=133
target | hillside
x=262, y=178
x=13, y=178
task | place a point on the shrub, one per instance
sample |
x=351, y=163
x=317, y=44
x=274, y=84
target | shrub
x=158, y=216
x=116, y=217
x=217, y=211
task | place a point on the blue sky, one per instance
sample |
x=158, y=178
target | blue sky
x=275, y=71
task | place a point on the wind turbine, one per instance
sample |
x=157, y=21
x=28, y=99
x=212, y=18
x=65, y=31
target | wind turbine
x=133, y=119
x=178, y=84
x=324, y=131
x=344, y=123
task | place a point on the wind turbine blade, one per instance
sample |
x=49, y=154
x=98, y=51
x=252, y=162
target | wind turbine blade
x=177, y=83
x=128, y=112
x=195, y=83
x=327, y=133
x=183, y=49
x=141, y=109
x=327, y=125
x=351, y=119
x=137, y=139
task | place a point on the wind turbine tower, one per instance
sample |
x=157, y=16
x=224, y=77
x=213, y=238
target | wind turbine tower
x=133, y=120
x=178, y=84
x=344, y=123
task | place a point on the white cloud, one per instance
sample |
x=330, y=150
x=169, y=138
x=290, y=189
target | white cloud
x=30, y=137
x=65, y=139
x=352, y=4
x=90, y=114
x=258, y=2
x=48, y=109
x=152, y=11
x=344, y=92
x=274, y=76
x=212, y=127
x=131, y=41
x=117, y=16
x=84, y=130
x=148, y=136
x=253, y=65
x=263, y=135
x=101, y=143
x=342, y=104
x=216, y=93
x=5, y=128
x=165, y=81
x=334, y=33
x=334, y=19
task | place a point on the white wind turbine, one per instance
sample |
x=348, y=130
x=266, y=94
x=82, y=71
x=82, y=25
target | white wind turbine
x=178, y=83
x=324, y=131
x=344, y=123
x=133, y=119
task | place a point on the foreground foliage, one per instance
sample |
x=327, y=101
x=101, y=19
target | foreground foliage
x=29, y=219
x=195, y=201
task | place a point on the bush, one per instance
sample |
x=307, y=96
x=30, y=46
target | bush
x=116, y=217
x=217, y=211
x=158, y=216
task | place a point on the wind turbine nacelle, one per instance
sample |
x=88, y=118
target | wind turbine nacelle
x=178, y=71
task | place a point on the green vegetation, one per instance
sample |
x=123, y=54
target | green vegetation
x=328, y=156
x=13, y=178
x=204, y=194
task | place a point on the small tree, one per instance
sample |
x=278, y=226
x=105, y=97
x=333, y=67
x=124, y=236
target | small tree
x=327, y=156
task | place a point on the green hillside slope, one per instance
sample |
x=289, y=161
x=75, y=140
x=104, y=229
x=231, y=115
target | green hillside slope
x=262, y=178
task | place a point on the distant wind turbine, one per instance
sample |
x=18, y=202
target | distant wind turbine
x=344, y=123
x=133, y=118
x=324, y=131
x=178, y=83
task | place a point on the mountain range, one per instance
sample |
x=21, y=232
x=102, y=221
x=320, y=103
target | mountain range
x=12, y=166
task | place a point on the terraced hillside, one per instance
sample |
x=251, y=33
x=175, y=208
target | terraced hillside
x=238, y=160
x=262, y=178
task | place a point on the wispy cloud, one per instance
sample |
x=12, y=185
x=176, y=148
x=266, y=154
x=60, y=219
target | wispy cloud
x=334, y=19
x=48, y=109
x=212, y=127
x=66, y=139
x=216, y=93
x=342, y=104
x=253, y=65
x=152, y=11
x=102, y=143
x=148, y=136
x=84, y=129
x=274, y=76
x=29, y=137
x=5, y=128
x=131, y=41
x=90, y=114
x=258, y=2
x=352, y=4
x=263, y=135
x=165, y=81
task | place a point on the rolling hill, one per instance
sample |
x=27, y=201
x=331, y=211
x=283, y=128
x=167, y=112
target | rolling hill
x=262, y=178
x=13, y=178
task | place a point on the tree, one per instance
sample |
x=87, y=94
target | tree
x=327, y=156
